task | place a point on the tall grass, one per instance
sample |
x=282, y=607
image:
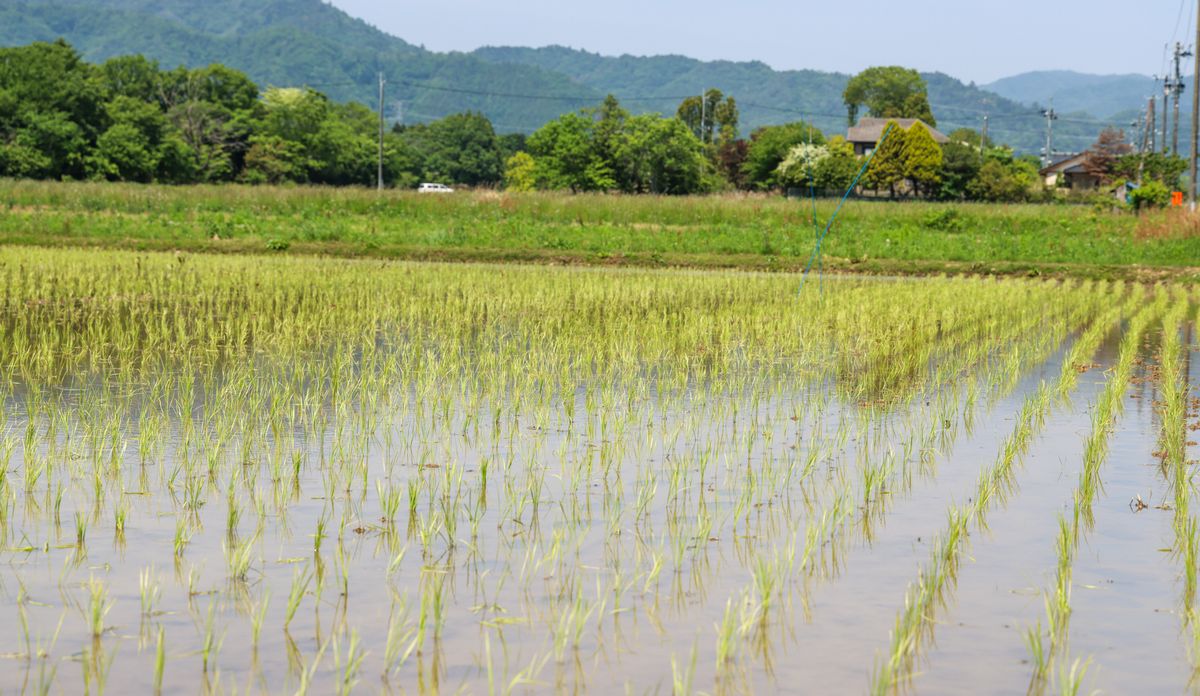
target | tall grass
x=754, y=231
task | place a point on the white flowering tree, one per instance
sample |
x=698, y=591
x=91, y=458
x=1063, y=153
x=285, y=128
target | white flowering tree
x=799, y=166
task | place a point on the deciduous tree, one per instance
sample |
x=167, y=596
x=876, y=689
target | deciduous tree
x=460, y=148
x=769, y=145
x=565, y=158
x=660, y=155
x=835, y=173
x=798, y=169
x=730, y=157
x=713, y=120
x=888, y=92
x=520, y=172
x=1103, y=154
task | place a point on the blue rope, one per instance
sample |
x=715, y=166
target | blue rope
x=829, y=225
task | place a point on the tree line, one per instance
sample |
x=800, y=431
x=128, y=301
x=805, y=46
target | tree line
x=127, y=119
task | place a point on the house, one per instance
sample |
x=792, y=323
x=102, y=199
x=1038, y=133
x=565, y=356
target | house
x=868, y=131
x=1068, y=171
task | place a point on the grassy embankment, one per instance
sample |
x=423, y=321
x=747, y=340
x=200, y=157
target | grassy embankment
x=724, y=231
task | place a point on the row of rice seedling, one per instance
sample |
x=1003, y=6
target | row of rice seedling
x=1047, y=647
x=915, y=621
x=466, y=476
x=1173, y=410
x=931, y=436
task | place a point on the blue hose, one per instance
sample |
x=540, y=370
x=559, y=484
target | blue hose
x=829, y=225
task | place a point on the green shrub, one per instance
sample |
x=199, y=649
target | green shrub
x=946, y=220
x=1152, y=194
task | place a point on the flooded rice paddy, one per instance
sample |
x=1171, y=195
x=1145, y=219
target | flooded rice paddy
x=304, y=475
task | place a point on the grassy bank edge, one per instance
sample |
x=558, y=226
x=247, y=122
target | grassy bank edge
x=747, y=262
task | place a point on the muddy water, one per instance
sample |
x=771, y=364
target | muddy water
x=507, y=588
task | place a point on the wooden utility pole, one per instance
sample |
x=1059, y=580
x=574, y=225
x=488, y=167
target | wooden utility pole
x=983, y=138
x=1151, y=125
x=1166, y=93
x=1141, y=151
x=1051, y=117
x=1176, y=90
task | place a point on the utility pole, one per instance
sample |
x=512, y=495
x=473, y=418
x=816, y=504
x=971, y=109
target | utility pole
x=703, y=106
x=1195, y=114
x=1140, y=122
x=1177, y=88
x=1051, y=117
x=983, y=138
x=1167, y=93
x=379, y=177
x=1151, y=125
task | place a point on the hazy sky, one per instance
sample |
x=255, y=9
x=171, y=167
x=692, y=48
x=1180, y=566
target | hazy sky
x=968, y=39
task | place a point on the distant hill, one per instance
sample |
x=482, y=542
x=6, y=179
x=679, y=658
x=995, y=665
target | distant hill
x=307, y=42
x=1102, y=95
x=764, y=96
x=770, y=96
x=295, y=42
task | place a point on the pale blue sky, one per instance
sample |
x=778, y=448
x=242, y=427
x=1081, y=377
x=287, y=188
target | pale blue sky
x=971, y=40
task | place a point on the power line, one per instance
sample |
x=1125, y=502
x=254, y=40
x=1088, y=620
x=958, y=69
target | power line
x=675, y=97
x=807, y=114
x=1195, y=119
x=1178, y=19
x=539, y=97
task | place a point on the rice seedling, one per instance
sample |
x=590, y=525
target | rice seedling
x=691, y=444
x=1070, y=680
x=98, y=607
x=80, y=533
x=240, y=556
x=389, y=502
x=150, y=590
x=300, y=582
x=210, y=647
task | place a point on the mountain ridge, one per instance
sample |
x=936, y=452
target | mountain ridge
x=1068, y=90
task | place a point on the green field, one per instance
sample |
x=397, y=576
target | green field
x=767, y=233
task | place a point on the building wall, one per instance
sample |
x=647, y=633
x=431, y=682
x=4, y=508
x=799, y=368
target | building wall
x=1082, y=182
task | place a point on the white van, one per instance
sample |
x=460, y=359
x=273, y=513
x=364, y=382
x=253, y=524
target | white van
x=434, y=188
